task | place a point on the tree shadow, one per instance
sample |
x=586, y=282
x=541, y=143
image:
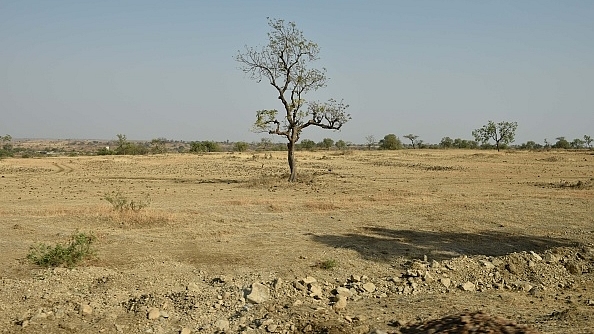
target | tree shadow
x=381, y=244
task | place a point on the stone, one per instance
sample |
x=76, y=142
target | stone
x=271, y=328
x=369, y=287
x=445, y=281
x=487, y=264
x=193, y=287
x=550, y=258
x=222, y=325
x=153, y=314
x=468, y=286
x=277, y=283
x=511, y=268
x=315, y=290
x=342, y=291
x=536, y=256
x=340, y=303
x=573, y=268
x=299, y=286
x=308, y=280
x=185, y=330
x=380, y=331
x=85, y=309
x=259, y=294
x=355, y=278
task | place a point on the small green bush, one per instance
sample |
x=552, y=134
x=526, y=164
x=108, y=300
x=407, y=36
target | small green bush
x=58, y=255
x=327, y=264
x=122, y=203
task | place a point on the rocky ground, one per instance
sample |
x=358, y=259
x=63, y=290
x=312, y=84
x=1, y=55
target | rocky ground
x=92, y=299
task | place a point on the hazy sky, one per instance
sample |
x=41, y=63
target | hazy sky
x=147, y=69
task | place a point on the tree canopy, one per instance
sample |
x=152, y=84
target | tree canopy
x=501, y=133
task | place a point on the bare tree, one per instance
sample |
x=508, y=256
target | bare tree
x=284, y=63
x=370, y=141
x=412, y=138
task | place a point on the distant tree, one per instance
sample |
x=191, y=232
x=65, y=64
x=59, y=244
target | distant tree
x=463, y=143
x=284, y=63
x=502, y=133
x=530, y=145
x=240, y=146
x=390, y=142
x=577, y=143
x=7, y=149
x=370, y=140
x=307, y=144
x=204, y=146
x=562, y=143
x=446, y=142
x=326, y=143
x=588, y=141
x=158, y=145
x=412, y=138
x=547, y=145
x=341, y=144
x=265, y=144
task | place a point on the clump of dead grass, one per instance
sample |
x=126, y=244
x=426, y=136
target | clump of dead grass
x=563, y=184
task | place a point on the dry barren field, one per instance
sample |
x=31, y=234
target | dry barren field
x=364, y=242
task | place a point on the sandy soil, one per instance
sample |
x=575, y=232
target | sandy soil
x=227, y=245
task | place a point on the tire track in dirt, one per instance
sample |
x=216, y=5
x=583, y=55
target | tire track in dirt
x=63, y=168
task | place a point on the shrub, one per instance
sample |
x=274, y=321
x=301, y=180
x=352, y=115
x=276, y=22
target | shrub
x=122, y=203
x=390, y=142
x=68, y=255
x=327, y=264
x=240, y=146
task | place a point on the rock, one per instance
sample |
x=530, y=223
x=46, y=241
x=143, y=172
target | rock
x=259, y=294
x=185, y=330
x=297, y=302
x=511, y=268
x=85, y=309
x=277, y=283
x=550, y=258
x=342, y=291
x=487, y=264
x=573, y=267
x=380, y=331
x=468, y=286
x=308, y=280
x=315, y=290
x=355, y=278
x=193, y=287
x=369, y=287
x=153, y=314
x=536, y=256
x=222, y=325
x=299, y=286
x=271, y=328
x=340, y=303
x=525, y=286
x=445, y=281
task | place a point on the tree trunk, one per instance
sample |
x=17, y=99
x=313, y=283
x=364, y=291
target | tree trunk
x=291, y=158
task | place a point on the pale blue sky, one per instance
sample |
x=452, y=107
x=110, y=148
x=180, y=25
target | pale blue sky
x=147, y=69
